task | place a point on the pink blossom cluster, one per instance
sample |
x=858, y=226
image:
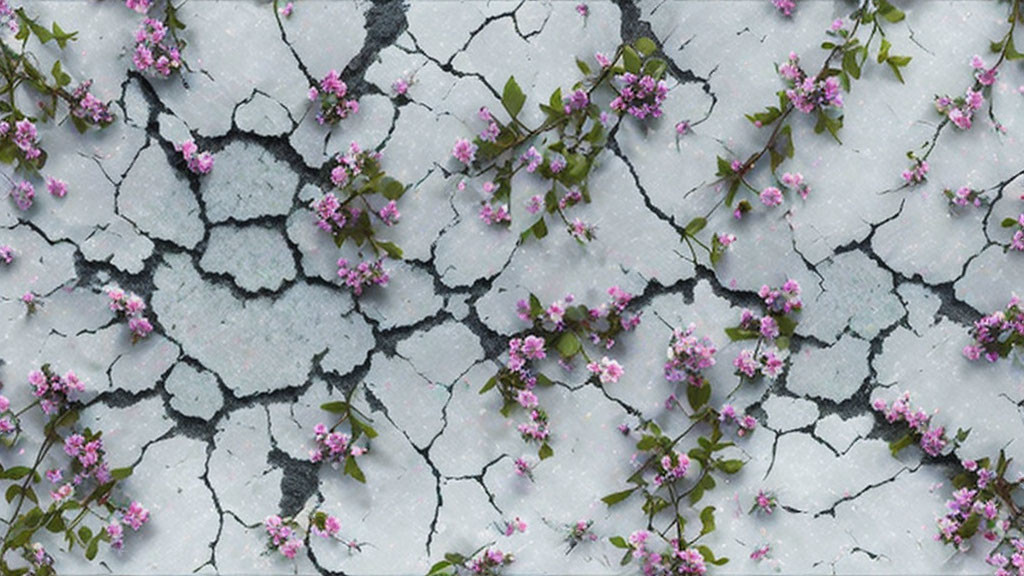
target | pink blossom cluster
x=334, y=106
x=88, y=107
x=1012, y=566
x=764, y=502
x=809, y=93
x=1017, y=242
x=491, y=215
x=140, y=6
x=489, y=562
x=465, y=151
x=997, y=334
x=366, y=273
x=333, y=447
x=53, y=391
x=130, y=306
x=8, y=17
x=640, y=96
x=751, y=364
x=88, y=452
x=155, y=50
x=23, y=193
x=39, y=560
x=607, y=371
x=783, y=300
x=675, y=560
x=324, y=525
x=965, y=196
x=6, y=254
x=689, y=356
x=965, y=503
x=785, y=6
x=984, y=75
x=960, y=111
x=746, y=422
x=579, y=532
x=284, y=538
x=350, y=166
x=25, y=137
x=197, y=162
x=536, y=430
x=671, y=467
x=56, y=187
x=510, y=527
x=933, y=439
x=917, y=172
x=523, y=468
x=795, y=181
x=8, y=421
x=134, y=516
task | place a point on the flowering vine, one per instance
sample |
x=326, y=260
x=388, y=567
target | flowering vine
x=19, y=139
x=774, y=328
x=288, y=536
x=566, y=146
x=959, y=110
x=666, y=477
x=984, y=501
x=563, y=328
x=158, y=46
x=82, y=486
x=817, y=94
x=349, y=214
x=998, y=334
x=485, y=561
x=340, y=449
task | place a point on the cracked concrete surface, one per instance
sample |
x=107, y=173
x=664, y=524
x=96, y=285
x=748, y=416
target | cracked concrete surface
x=253, y=333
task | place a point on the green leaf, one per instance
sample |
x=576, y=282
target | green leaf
x=439, y=567
x=337, y=407
x=1008, y=222
x=617, y=497
x=120, y=473
x=698, y=395
x=583, y=66
x=850, y=65
x=512, y=97
x=883, y=51
x=709, y=556
x=568, y=345
x=970, y=527
x=645, y=46
x=94, y=544
x=889, y=12
x=896, y=445
x=618, y=542
x=353, y=470
x=391, y=189
x=707, y=520
x=696, y=225
x=736, y=333
x=631, y=60
x=491, y=383
x=539, y=230
x=15, y=473
x=545, y=451
x=730, y=466
x=84, y=534
x=391, y=249
x=455, y=559
x=365, y=427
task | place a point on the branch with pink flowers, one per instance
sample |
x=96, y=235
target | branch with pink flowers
x=565, y=147
x=82, y=506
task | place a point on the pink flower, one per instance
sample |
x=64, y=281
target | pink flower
x=464, y=151
x=6, y=254
x=785, y=6
x=608, y=371
x=56, y=187
x=140, y=6
x=400, y=86
x=582, y=10
x=286, y=10
x=389, y=214
x=602, y=60
x=771, y=196
x=23, y=193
